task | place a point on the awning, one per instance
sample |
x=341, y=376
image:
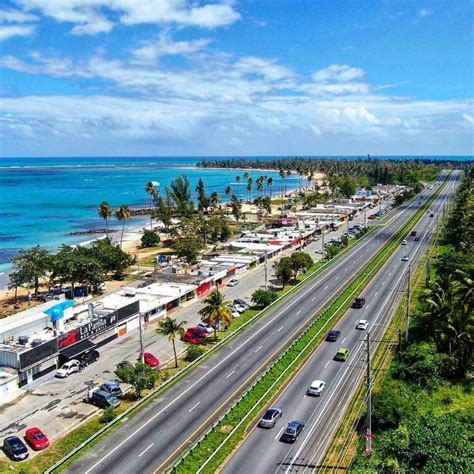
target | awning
x=77, y=349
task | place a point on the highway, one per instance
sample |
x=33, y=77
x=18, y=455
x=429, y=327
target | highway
x=152, y=438
x=262, y=451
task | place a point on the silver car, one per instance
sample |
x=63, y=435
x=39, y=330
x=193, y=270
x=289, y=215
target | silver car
x=270, y=418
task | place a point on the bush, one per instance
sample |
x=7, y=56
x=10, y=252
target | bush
x=194, y=352
x=150, y=238
x=264, y=298
x=108, y=415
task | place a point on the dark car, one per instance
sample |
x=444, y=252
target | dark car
x=125, y=364
x=270, y=418
x=102, y=399
x=112, y=387
x=413, y=233
x=15, y=448
x=358, y=303
x=417, y=238
x=431, y=215
x=293, y=430
x=333, y=335
x=90, y=356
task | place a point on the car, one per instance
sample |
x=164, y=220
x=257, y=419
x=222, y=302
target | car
x=293, y=430
x=191, y=338
x=112, y=387
x=431, y=215
x=319, y=251
x=125, y=364
x=242, y=302
x=205, y=327
x=240, y=309
x=101, y=398
x=150, y=359
x=316, y=388
x=90, y=357
x=404, y=258
x=233, y=282
x=413, y=233
x=270, y=417
x=197, y=331
x=234, y=313
x=404, y=242
x=333, y=335
x=68, y=368
x=362, y=324
x=358, y=302
x=342, y=354
x=15, y=448
x=36, y=439
x=417, y=238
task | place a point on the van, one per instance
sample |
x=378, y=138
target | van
x=102, y=399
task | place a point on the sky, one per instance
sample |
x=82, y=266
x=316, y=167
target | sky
x=236, y=77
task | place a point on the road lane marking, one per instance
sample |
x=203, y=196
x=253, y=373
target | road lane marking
x=228, y=375
x=342, y=342
x=280, y=328
x=312, y=299
x=325, y=288
x=257, y=349
x=298, y=312
x=146, y=449
x=376, y=293
x=327, y=363
x=279, y=433
x=193, y=407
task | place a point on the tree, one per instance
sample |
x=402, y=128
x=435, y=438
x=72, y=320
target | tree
x=105, y=212
x=347, y=187
x=180, y=193
x=215, y=311
x=150, y=238
x=250, y=187
x=202, y=198
x=214, y=199
x=171, y=329
x=140, y=376
x=284, y=270
x=152, y=190
x=228, y=190
x=111, y=257
x=300, y=261
x=236, y=207
x=263, y=298
x=270, y=184
x=164, y=211
x=123, y=214
x=188, y=247
x=29, y=266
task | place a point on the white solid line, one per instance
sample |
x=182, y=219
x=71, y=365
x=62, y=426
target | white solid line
x=257, y=349
x=192, y=408
x=228, y=375
x=327, y=363
x=143, y=452
x=279, y=433
x=280, y=328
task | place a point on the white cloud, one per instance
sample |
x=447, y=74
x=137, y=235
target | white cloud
x=425, y=12
x=339, y=73
x=91, y=16
x=7, y=31
x=16, y=16
x=468, y=118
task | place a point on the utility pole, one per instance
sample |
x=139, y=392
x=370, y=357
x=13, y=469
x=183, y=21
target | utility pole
x=365, y=217
x=142, y=350
x=266, y=270
x=408, y=303
x=368, y=435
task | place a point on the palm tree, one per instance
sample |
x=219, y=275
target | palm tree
x=282, y=174
x=270, y=184
x=214, y=199
x=122, y=214
x=215, y=310
x=105, y=211
x=151, y=189
x=171, y=329
x=228, y=190
x=249, y=188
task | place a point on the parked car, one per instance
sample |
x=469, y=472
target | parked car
x=316, y=388
x=242, y=302
x=197, y=331
x=240, y=309
x=205, y=327
x=333, y=335
x=90, y=357
x=112, y=387
x=234, y=313
x=101, y=398
x=125, y=364
x=68, y=368
x=36, y=439
x=150, y=359
x=270, y=417
x=15, y=448
x=358, y=303
x=362, y=324
x=233, y=282
x=404, y=258
x=404, y=242
x=293, y=430
x=342, y=354
x=191, y=338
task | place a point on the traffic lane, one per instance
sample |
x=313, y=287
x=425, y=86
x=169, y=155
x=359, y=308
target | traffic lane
x=251, y=457
x=262, y=353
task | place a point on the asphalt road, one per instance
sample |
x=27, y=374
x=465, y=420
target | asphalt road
x=154, y=436
x=262, y=451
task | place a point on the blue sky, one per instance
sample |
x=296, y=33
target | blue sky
x=244, y=77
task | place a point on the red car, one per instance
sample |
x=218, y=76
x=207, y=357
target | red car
x=150, y=359
x=36, y=439
x=191, y=338
x=197, y=332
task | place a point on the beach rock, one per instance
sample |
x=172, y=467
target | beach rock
x=93, y=231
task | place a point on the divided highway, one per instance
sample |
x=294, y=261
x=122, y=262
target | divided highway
x=151, y=439
x=262, y=451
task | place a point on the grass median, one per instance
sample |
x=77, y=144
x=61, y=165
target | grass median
x=216, y=445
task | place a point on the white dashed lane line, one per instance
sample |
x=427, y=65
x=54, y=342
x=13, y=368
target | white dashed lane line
x=193, y=407
x=144, y=451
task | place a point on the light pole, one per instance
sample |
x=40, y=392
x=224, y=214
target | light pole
x=142, y=349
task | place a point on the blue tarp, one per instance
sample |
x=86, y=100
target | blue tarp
x=57, y=312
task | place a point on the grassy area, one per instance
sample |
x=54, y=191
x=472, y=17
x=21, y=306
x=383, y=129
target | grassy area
x=230, y=429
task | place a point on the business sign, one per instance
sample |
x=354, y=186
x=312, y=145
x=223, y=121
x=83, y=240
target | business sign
x=38, y=353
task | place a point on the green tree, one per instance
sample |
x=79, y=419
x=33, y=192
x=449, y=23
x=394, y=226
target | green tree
x=194, y=352
x=164, y=211
x=300, y=261
x=236, y=207
x=171, y=329
x=284, y=270
x=152, y=190
x=180, y=194
x=214, y=199
x=263, y=298
x=150, y=238
x=105, y=212
x=228, y=190
x=202, y=198
x=111, y=257
x=123, y=214
x=140, y=376
x=215, y=311
x=29, y=266
x=188, y=247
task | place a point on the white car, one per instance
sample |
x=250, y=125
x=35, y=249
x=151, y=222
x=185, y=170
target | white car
x=316, y=388
x=68, y=368
x=404, y=242
x=233, y=282
x=241, y=309
x=205, y=327
x=234, y=313
x=405, y=259
x=362, y=324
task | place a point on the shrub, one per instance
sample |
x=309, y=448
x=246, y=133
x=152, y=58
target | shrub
x=108, y=415
x=263, y=298
x=150, y=238
x=194, y=352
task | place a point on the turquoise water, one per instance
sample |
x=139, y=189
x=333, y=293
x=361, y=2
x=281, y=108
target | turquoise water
x=42, y=200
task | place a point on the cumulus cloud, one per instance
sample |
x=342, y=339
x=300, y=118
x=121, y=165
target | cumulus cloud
x=338, y=73
x=12, y=23
x=7, y=31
